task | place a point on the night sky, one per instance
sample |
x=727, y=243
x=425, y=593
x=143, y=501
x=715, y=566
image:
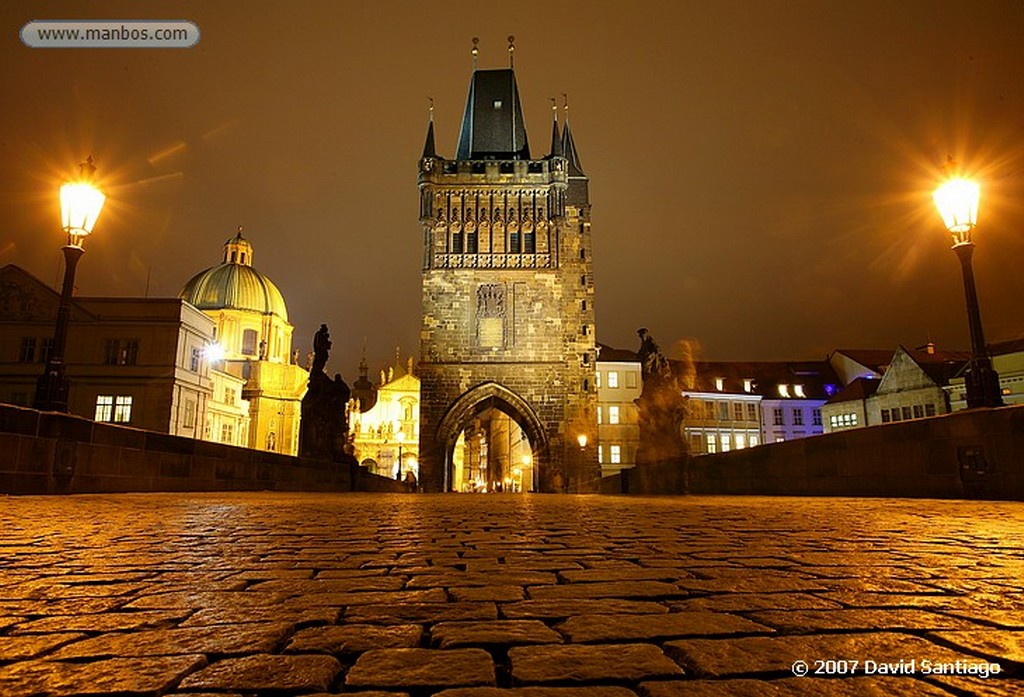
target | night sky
x=761, y=173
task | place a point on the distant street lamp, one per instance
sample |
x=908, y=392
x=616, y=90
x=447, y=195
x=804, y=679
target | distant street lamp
x=957, y=201
x=80, y=204
x=401, y=441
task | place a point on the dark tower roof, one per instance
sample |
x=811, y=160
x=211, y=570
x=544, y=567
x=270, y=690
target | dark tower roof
x=492, y=126
x=556, y=140
x=428, y=146
x=569, y=148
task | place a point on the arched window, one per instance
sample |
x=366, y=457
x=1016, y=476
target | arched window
x=456, y=243
x=249, y=342
x=513, y=243
x=529, y=244
x=471, y=243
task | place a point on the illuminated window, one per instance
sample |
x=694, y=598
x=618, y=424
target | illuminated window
x=712, y=443
x=741, y=441
x=497, y=104
x=719, y=384
x=613, y=378
x=780, y=437
x=616, y=454
x=227, y=433
x=597, y=378
x=122, y=409
x=600, y=454
x=599, y=416
x=726, y=442
x=754, y=441
x=784, y=391
x=27, y=352
x=799, y=390
x=104, y=407
x=229, y=396
x=748, y=385
x=613, y=415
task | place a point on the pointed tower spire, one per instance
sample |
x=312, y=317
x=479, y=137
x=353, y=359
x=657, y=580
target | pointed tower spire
x=476, y=51
x=556, y=138
x=428, y=146
x=569, y=146
x=511, y=52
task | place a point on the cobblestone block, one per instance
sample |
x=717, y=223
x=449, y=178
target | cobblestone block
x=806, y=621
x=613, y=662
x=997, y=644
x=454, y=580
x=558, y=609
x=330, y=585
x=617, y=589
x=299, y=616
x=627, y=573
x=422, y=668
x=622, y=628
x=199, y=601
x=355, y=638
x=750, y=602
x=20, y=648
x=448, y=635
x=266, y=672
x=487, y=593
x=230, y=640
x=432, y=595
x=147, y=676
x=104, y=622
x=420, y=612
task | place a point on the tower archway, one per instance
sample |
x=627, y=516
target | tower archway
x=519, y=463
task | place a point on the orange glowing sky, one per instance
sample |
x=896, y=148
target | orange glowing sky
x=761, y=172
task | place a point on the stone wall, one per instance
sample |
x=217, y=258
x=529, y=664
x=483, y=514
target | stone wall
x=47, y=453
x=966, y=454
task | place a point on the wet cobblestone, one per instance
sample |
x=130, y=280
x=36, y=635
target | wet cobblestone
x=508, y=596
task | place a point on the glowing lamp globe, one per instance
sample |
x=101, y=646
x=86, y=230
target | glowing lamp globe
x=582, y=440
x=957, y=201
x=80, y=206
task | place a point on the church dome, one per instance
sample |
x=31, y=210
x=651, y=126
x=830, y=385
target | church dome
x=235, y=284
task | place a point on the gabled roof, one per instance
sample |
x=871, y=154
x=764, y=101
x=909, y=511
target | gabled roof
x=607, y=353
x=1002, y=348
x=569, y=148
x=816, y=378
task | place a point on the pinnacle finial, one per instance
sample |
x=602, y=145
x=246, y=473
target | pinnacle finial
x=554, y=109
x=87, y=169
x=511, y=51
x=565, y=105
x=476, y=51
x=431, y=109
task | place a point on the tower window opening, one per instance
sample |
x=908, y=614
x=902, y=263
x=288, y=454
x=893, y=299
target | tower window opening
x=471, y=243
x=583, y=253
x=513, y=243
x=456, y=243
x=497, y=104
x=530, y=245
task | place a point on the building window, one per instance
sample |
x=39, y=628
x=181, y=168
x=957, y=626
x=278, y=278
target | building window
x=529, y=242
x=929, y=410
x=723, y=411
x=111, y=351
x=129, y=352
x=885, y=416
x=513, y=243
x=584, y=330
x=583, y=280
x=741, y=441
x=695, y=443
x=784, y=391
x=583, y=305
x=597, y=378
x=918, y=411
x=27, y=352
x=613, y=415
x=737, y=411
x=798, y=390
x=709, y=411
x=907, y=414
x=777, y=418
x=613, y=378
x=227, y=433
x=189, y=416
x=754, y=441
x=122, y=409
x=599, y=416
x=751, y=411
x=272, y=441
x=847, y=420
x=229, y=396
x=194, y=363
x=249, y=342
x=456, y=243
x=471, y=243
x=45, y=349
x=748, y=385
x=726, y=442
x=798, y=417
x=816, y=417
x=894, y=414
x=600, y=454
x=780, y=436
x=719, y=384
x=616, y=454
x=104, y=407
x=586, y=359
x=631, y=380
x=712, y=443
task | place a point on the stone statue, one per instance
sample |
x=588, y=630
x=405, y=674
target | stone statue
x=323, y=430
x=661, y=406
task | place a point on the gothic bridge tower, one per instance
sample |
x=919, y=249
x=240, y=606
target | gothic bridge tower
x=507, y=352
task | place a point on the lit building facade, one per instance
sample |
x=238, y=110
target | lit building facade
x=619, y=383
x=255, y=340
x=508, y=303
x=388, y=432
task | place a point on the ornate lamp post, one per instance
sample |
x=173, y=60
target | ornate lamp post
x=401, y=442
x=80, y=204
x=957, y=201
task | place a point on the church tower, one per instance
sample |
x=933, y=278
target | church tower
x=507, y=353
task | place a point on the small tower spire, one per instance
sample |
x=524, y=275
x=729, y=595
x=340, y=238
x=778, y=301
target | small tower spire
x=569, y=146
x=476, y=51
x=556, y=138
x=511, y=51
x=428, y=146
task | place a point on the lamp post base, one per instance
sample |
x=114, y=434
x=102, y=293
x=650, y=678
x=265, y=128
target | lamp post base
x=52, y=389
x=982, y=383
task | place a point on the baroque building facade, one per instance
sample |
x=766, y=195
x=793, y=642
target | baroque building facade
x=507, y=337
x=255, y=346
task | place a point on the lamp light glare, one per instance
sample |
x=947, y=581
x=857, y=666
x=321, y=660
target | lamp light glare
x=80, y=206
x=957, y=201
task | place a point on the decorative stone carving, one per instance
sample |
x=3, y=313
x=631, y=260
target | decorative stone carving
x=490, y=300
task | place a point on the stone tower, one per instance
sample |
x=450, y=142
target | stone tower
x=508, y=302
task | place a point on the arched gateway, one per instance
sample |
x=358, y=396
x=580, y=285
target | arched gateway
x=507, y=353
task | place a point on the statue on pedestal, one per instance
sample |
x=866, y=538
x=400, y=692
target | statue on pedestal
x=323, y=430
x=661, y=406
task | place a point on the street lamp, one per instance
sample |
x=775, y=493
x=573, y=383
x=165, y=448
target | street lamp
x=80, y=204
x=957, y=201
x=401, y=440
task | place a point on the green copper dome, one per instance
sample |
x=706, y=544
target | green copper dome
x=235, y=284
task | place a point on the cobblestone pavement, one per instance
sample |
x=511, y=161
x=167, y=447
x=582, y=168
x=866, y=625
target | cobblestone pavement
x=491, y=596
